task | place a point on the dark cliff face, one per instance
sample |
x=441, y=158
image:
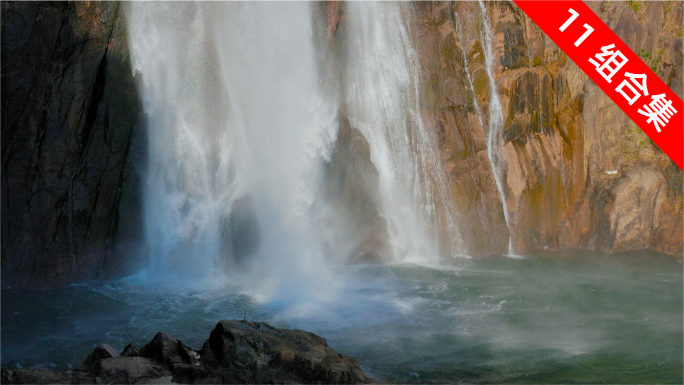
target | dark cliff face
x=70, y=133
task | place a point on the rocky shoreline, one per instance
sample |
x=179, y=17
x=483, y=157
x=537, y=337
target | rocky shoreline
x=236, y=352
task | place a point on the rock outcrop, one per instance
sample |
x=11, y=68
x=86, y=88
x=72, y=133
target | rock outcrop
x=70, y=129
x=237, y=352
x=240, y=231
x=101, y=352
x=352, y=187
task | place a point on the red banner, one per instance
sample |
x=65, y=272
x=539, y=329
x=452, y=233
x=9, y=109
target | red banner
x=620, y=73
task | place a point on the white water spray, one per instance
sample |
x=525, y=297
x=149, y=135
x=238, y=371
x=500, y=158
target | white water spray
x=382, y=100
x=496, y=122
x=459, y=30
x=239, y=132
x=235, y=119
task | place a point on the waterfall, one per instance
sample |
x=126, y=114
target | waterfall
x=382, y=99
x=240, y=130
x=496, y=122
x=237, y=134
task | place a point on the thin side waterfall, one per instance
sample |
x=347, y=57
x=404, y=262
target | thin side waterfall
x=382, y=100
x=496, y=122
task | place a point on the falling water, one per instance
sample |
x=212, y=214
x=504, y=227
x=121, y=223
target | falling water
x=382, y=100
x=237, y=133
x=496, y=123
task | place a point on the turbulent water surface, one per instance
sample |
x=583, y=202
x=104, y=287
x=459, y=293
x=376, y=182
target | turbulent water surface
x=574, y=318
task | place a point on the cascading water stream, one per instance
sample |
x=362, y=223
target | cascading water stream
x=496, y=122
x=239, y=132
x=382, y=100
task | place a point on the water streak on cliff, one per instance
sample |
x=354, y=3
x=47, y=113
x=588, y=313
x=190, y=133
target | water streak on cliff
x=459, y=30
x=496, y=122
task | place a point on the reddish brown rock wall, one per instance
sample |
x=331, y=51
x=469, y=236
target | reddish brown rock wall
x=563, y=137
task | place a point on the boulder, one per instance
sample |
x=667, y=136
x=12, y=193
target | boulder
x=129, y=370
x=99, y=353
x=237, y=352
x=162, y=349
x=278, y=355
x=37, y=376
x=182, y=361
x=130, y=351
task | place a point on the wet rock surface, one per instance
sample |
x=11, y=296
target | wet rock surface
x=130, y=351
x=353, y=189
x=237, y=352
x=70, y=134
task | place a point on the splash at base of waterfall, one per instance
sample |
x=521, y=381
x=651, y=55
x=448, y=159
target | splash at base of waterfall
x=238, y=134
x=493, y=320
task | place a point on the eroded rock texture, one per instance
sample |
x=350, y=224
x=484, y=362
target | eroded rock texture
x=69, y=130
x=578, y=172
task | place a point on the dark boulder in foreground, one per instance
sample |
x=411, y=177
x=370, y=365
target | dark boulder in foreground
x=236, y=352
